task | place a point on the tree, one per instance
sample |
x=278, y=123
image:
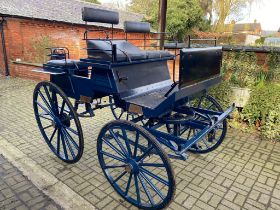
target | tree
x=228, y=10
x=92, y=1
x=182, y=15
x=207, y=8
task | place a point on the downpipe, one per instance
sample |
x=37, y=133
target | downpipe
x=7, y=72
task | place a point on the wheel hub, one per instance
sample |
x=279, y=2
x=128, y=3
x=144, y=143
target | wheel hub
x=132, y=167
x=65, y=120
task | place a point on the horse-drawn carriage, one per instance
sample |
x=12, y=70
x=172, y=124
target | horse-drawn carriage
x=163, y=118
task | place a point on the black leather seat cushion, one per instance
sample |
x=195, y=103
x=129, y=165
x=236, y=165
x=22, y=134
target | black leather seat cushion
x=103, y=50
x=61, y=63
x=126, y=51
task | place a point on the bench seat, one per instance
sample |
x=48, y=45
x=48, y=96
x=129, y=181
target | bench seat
x=102, y=50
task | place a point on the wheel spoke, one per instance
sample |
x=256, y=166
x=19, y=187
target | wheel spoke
x=136, y=144
x=146, y=190
x=121, y=114
x=112, y=156
x=155, y=188
x=53, y=134
x=72, y=130
x=64, y=146
x=45, y=100
x=43, y=115
x=151, y=164
x=58, y=142
x=205, y=143
x=154, y=176
x=119, y=177
x=128, y=184
x=49, y=126
x=68, y=143
x=45, y=109
x=47, y=93
x=137, y=189
x=62, y=107
x=71, y=139
x=142, y=157
x=126, y=142
x=113, y=147
x=115, y=166
x=118, y=142
x=55, y=102
x=210, y=106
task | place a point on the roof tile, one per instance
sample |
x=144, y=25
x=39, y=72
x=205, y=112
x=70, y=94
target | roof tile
x=68, y=11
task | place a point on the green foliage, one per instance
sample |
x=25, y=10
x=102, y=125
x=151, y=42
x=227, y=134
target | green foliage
x=260, y=41
x=39, y=46
x=274, y=66
x=222, y=93
x=242, y=67
x=182, y=16
x=263, y=110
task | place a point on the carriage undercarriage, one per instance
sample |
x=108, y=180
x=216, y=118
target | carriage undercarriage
x=156, y=118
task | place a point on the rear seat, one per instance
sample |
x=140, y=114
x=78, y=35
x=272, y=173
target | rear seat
x=145, y=28
x=102, y=50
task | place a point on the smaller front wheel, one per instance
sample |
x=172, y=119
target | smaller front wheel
x=58, y=122
x=135, y=165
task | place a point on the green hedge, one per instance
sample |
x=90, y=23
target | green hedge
x=222, y=93
x=263, y=110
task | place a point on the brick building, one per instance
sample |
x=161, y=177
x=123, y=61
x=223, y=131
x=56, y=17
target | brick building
x=28, y=27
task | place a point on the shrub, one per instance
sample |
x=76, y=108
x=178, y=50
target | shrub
x=222, y=93
x=263, y=110
x=274, y=66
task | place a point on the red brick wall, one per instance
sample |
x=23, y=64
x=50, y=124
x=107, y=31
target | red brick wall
x=25, y=71
x=21, y=34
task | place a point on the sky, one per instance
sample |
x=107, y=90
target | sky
x=267, y=13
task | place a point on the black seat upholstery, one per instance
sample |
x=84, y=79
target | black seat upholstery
x=102, y=50
x=61, y=63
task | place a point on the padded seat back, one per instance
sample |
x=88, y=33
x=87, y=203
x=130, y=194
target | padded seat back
x=102, y=50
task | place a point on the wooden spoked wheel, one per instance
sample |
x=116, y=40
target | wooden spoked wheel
x=135, y=165
x=58, y=122
x=213, y=139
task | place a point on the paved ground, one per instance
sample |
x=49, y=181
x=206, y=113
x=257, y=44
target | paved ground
x=17, y=192
x=243, y=173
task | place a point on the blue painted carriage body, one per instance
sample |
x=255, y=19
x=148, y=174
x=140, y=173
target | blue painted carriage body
x=143, y=84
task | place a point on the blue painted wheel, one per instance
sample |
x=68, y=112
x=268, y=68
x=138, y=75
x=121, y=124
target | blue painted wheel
x=58, y=122
x=135, y=165
x=214, y=138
